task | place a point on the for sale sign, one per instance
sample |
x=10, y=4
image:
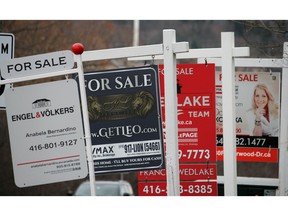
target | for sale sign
x=37, y=64
x=46, y=133
x=257, y=105
x=125, y=119
x=196, y=111
x=196, y=134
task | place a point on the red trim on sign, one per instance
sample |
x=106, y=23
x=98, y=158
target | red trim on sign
x=31, y=162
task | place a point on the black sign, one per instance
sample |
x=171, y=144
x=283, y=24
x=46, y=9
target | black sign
x=125, y=119
x=2, y=87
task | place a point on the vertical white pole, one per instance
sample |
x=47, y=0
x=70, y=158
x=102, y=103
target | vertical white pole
x=229, y=129
x=136, y=28
x=283, y=143
x=172, y=161
x=87, y=132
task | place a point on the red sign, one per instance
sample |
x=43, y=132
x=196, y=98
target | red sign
x=196, y=134
x=196, y=111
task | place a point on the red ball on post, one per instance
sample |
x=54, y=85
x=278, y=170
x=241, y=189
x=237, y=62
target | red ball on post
x=77, y=48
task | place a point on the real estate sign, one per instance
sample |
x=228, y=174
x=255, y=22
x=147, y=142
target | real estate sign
x=125, y=119
x=196, y=134
x=46, y=133
x=253, y=90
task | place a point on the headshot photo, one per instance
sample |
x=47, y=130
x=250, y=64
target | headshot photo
x=263, y=116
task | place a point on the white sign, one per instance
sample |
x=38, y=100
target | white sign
x=6, y=46
x=37, y=64
x=257, y=97
x=46, y=133
x=6, y=52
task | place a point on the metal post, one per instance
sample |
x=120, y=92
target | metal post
x=283, y=142
x=87, y=132
x=229, y=128
x=136, y=24
x=172, y=161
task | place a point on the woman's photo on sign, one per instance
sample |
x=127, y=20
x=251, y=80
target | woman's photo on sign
x=263, y=116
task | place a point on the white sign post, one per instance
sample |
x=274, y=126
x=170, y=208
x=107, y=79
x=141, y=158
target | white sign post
x=227, y=53
x=283, y=145
x=7, y=42
x=229, y=127
x=170, y=86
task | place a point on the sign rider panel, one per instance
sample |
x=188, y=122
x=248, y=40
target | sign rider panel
x=37, y=64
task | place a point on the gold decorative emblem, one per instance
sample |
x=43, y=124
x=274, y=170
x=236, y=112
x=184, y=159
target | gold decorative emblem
x=120, y=106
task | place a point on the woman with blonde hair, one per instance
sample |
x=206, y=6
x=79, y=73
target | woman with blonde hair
x=264, y=113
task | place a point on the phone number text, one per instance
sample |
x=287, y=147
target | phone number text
x=53, y=145
x=186, y=188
